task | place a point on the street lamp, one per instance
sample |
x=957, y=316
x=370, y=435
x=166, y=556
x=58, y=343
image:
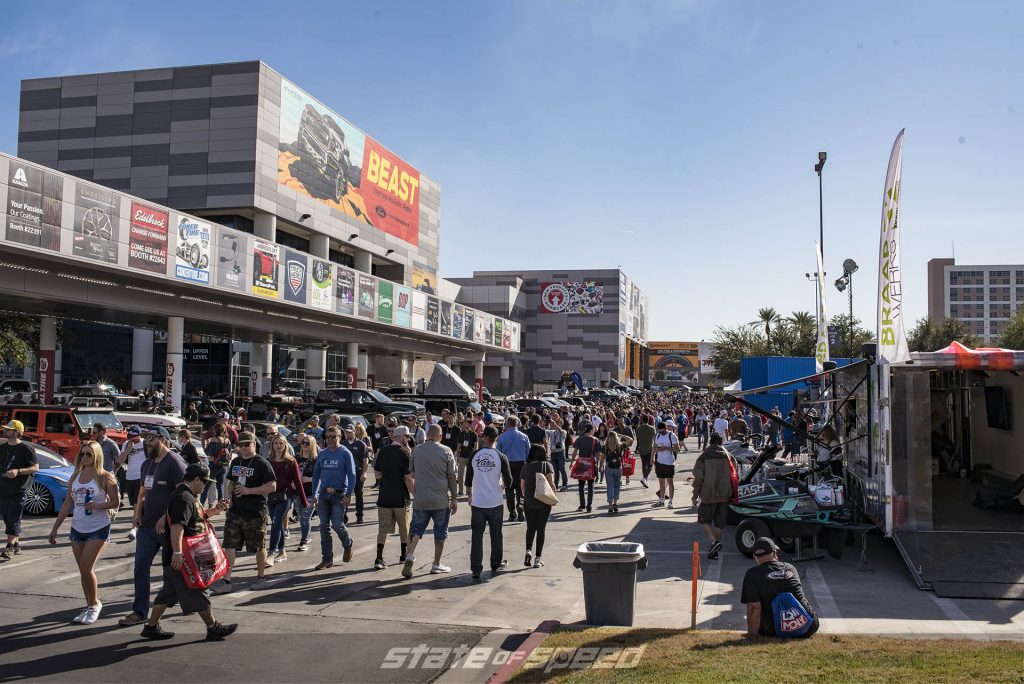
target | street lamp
x=845, y=282
x=813, y=278
x=822, y=156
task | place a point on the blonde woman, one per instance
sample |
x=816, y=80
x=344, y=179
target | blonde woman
x=308, y=449
x=289, y=484
x=91, y=496
x=611, y=460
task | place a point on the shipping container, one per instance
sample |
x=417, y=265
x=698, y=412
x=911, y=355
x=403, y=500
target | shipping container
x=763, y=371
x=784, y=400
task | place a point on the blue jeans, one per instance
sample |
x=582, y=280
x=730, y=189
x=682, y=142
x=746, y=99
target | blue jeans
x=558, y=461
x=613, y=483
x=331, y=509
x=305, y=518
x=147, y=545
x=218, y=473
x=277, y=512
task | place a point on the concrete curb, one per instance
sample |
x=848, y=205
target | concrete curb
x=536, y=638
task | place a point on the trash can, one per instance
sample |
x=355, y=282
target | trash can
x=609, y=580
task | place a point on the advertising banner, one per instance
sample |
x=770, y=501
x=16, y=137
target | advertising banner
x=367, y=296
x=499, y=331
x=385, y=301
x=424, y=278
x=469, y=325
x=326, y=158
x=34, y=207
x=433, y=315
x=516, y=334
x=489, y=329
x=419, y=311
x=147, y=238
x=673, y=364
x=45, y=367
x=345, y=292
x=322, y=284
x=192, y=259
x=622, y=351
x=572, y=297
x=506, y=336
x=458, y=317
x=446, y=318
x=821, y=349
x=892, y=338
x=266, y=257
x=295, y=270
x=478, y=327
x=623, y=290
x=403, y=306
x=97, y=216
x=232, y=249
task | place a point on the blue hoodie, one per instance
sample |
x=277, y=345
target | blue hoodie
x=334, y=468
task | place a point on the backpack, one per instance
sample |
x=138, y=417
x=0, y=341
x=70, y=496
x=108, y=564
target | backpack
x=791, y=618
x=221, y=453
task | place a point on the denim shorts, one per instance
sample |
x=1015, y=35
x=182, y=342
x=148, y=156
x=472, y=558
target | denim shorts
x=420, y=519
x=102, y=534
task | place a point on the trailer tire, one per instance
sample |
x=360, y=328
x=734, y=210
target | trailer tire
x=747, y=533
x=787, y=544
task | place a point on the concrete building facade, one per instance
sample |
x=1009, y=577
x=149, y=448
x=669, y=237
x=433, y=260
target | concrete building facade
x=984, y=297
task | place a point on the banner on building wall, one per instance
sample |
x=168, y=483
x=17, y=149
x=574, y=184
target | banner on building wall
x=45, y=368
x=345, y=292
x=572, y=297
x=147, y=238
x=424, y=278
x=446, y=318
x=323, y=156
x=433, y=315
x=192, y=258
x=468, y=325
x=367, y=296
x=322, y=284
x=458, y=319
x=673, y=364
x=97, y=217
x=232, y=253
x=506, y=336
x=403, y=306
x=266, y=257
x=489, y=329
x=622, y=352
x=418, y=319
x=34, y=206
x=385, y=301
x=296, y=268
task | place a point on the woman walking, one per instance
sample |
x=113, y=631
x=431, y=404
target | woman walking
x=289, y=484
x=584, y=465
x=307, y=461
x=218, y=450
x=611, y=457
x=91, y=496
x=556, y=444
x=601, y=435
x=537, y=512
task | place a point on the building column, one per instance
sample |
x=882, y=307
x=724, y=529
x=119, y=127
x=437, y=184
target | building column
x=503, y=375
x=352, y=362
x=363, y=363
x=478, y=379
x=364, y=261
x=46, y=360
x=175, y=361
x=142, y=359
x=316, y=368
x=265, y=226
x=407, y=378
x=320, y=246
x=449, y=361
x=371, y=372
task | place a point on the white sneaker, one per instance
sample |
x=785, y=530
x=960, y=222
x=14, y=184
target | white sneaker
x=669, y=504
x=81, y=616
x=270, y=561
x=92, y=613
x=438, y=568
x=131, y=534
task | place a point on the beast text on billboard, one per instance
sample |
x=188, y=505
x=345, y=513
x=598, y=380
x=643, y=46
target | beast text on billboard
x=326, y=158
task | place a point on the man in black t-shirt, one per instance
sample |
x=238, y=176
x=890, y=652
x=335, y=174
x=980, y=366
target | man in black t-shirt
x=392, y=469
x=17, y=464
x=358, y=449
x=535, y=432
x=465, y=447
x=766, y=580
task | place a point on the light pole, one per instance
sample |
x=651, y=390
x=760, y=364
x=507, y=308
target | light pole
x=846, y=283
x=813, y=278
x=822, y=156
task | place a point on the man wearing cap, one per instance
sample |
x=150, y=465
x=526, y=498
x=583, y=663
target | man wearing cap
x=17, y=463
x=489, y=472
x=417, y=435
x=314, y=430
x=712, y=486
x=392, y=468
x=766, y=580
x=133, y=455
x=358, y=449
x=187, y=519
x=334, y=479
x=222, y=417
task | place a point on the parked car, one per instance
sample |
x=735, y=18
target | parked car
x=63, y=428
x=49, y=486
x=172, y=423
x=364, y=402
x=11, y=387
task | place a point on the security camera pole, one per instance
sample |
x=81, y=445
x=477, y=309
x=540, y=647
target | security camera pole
x=822, y=156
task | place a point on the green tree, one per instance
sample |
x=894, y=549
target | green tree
x=801, y=333
x=731, y=345
x=928, y=336
x=766, y=318
x=861, y=336
x=19, y=337
x=1013, y=333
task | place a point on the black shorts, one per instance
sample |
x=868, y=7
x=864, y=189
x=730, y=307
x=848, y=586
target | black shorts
x=175, y=590
x=664, y=472
x=714, y=514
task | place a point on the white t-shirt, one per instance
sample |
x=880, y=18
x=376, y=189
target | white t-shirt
x=721, y=426
x=136, y=457
x=663, y=444
x=488, y=490
x=94, y=521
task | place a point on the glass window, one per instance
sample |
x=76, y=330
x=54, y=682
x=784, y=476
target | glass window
x=59, y=422
x=30, y=419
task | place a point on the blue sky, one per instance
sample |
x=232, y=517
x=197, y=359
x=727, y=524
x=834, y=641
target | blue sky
x=675, y=139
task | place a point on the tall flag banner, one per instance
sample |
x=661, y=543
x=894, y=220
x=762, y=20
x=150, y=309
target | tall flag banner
x=821, y=352
x=892, y=338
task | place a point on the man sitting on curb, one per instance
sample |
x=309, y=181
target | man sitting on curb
x=765, y=581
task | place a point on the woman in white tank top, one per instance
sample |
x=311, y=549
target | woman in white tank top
x=91, y=496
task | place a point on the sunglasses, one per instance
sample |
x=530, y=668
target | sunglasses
x=304, y=442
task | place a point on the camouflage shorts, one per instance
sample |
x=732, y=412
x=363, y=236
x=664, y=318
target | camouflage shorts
x=252, y=532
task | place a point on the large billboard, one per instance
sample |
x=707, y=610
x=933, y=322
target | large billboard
x=584, y=297
x=34, y=206
x=367, y=296
x=147, y=238
x=296, y=267
x=345, y=294
x=673, y=364
x=322, y=284
x=192, y=259
x=232, y=255
x=326, y=158
x=266, y=257
x=97, y=217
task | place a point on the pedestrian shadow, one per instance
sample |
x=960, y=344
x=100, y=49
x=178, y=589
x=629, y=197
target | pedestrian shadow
x=77, y=661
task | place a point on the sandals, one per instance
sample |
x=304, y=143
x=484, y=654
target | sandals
x=132, y=620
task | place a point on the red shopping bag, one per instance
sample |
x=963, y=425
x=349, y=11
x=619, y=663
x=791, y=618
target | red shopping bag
x=203, y=560
x=734, y=478
x=628, y=464
x=583, y=468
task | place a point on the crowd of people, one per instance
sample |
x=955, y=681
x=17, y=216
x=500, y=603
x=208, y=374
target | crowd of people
x=495, y=460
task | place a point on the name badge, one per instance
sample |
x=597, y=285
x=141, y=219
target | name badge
x=465, y=442
x=148, y=484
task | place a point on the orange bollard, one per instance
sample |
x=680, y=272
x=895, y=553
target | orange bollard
x=693, y=585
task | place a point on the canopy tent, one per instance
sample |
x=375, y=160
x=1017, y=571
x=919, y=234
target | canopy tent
x=446, y=382
x=960, y=357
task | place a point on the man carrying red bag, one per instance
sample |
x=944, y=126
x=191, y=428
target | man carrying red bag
x=185, y=518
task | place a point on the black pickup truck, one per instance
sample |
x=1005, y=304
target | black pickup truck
x=363, y=402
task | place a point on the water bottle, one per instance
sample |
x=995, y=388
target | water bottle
x=88, y=498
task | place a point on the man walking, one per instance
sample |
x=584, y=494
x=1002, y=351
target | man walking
x=515, y=445
x=666, y=446
x=334, y=479
x=435, y=489
x=17, y=464
x=392, y=469
x=489, y=471
x=712, y=486
x=645, y=434
x=357, y=448
x=467, y=446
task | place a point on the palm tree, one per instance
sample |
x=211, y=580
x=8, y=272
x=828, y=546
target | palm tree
x=767, y=316
x=803, y=320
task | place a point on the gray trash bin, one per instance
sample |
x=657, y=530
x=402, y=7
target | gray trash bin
x=609, y=580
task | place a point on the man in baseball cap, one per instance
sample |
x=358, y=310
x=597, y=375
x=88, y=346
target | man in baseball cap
x=17, y=463
x=766, y=580
x=361, y=457
x=392, y=470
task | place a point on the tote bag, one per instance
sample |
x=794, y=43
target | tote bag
x=542, y=490
x=628, y=463
x=203, y=560
x=583, y=468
